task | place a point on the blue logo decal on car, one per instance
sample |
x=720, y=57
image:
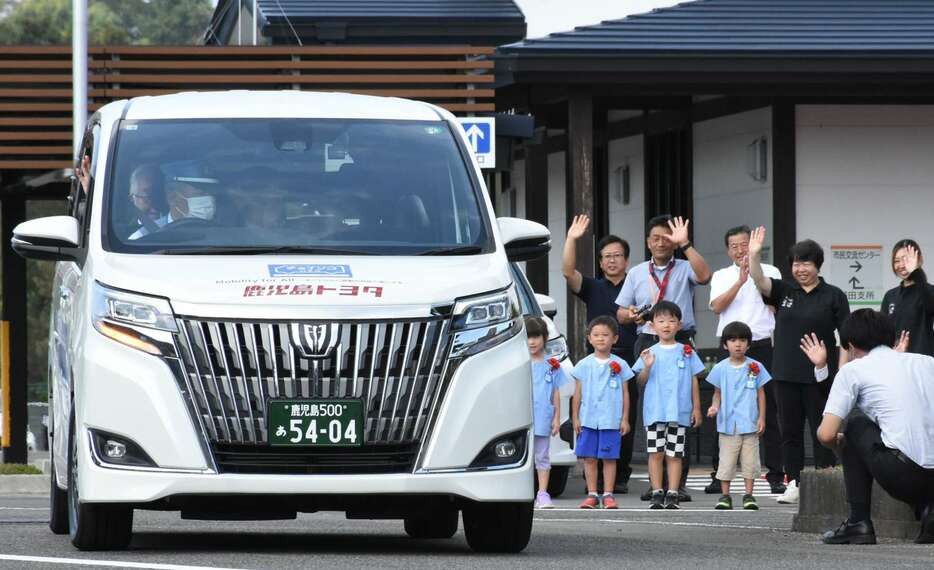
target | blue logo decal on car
x=305, y=269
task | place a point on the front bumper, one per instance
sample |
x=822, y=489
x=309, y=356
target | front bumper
x=134, y=395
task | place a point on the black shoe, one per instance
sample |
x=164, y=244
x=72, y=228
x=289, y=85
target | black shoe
x=647, y=496
x=621, y=488
x=855, y=533
x=777, y=487
x=714, y=487
x=683, y=496
x=926, y=536
x=672, y=500
x=657, y=499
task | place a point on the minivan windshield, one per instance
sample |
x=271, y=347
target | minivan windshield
x=320, y=186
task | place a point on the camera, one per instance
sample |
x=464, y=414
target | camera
x=644, y=311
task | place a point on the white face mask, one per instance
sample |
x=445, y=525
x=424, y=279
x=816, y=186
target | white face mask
x=201, y=207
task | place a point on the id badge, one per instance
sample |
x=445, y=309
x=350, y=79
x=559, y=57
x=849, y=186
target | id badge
x=681, y=363
x=750, y=383
x=614, y=384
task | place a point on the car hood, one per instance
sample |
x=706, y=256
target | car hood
x=304, y=287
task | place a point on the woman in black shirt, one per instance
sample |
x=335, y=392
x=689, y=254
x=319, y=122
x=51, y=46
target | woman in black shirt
x=804, y=305
x=911, y=304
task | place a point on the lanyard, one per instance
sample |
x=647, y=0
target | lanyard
x=663, y=284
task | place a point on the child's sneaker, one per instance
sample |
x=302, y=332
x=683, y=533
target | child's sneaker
x=749, y=503
x=657, y=500
x=725, y=503
x=591, y=502
x=609, y=502
x=671, y=500
x=543, y=501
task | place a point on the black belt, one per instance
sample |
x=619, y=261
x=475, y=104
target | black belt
x=901, y=456
x=761, y=342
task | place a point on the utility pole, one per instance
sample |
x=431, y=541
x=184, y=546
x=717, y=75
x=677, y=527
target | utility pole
x=79, y=71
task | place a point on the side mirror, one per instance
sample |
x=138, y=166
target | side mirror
x=548, y=305
x=53, y=238
x=524, y=240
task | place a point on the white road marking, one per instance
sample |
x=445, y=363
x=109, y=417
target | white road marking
x=106, y=563
x=668, y=523
x=24, y=508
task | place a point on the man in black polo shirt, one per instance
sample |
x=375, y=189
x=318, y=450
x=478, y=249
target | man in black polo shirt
x=804, y=305
x=599, y=295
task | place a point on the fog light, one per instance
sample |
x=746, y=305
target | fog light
x=505, y=450
x=114, y=449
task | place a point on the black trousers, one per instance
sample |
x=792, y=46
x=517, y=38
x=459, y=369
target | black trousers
x=643, y=342
x=798, y=402
x=624, y=467
x=866, y=459
x=761, y=350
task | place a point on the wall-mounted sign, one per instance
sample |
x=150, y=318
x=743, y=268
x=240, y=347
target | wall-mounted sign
x=857, y=269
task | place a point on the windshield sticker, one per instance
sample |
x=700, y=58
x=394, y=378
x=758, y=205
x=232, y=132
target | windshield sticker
x=310, y=289
x=313, y=270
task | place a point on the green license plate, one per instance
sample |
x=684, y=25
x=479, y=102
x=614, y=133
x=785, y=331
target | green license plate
x=319, y=423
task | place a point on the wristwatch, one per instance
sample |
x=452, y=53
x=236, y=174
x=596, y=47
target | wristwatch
x=686, y=246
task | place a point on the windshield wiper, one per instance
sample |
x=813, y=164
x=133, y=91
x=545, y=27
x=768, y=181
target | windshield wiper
x=260, y=250
x=458, y=250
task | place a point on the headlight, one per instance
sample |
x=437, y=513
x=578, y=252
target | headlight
x=482, y=322
x=138, y=321
x=557, y=348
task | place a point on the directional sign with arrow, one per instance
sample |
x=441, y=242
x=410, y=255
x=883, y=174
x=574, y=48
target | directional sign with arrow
x=481, y=136
x=858, y=269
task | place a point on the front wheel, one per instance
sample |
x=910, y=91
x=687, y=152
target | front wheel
x=440, y=524
x=498, y=527
x=94, y=526
x=558, y=480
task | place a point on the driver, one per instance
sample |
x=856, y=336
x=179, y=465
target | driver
x=147, y=197
x=185, y=201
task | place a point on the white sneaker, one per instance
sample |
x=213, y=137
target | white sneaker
x=790, y=496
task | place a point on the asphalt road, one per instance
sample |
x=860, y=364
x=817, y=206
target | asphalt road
x=632, y=537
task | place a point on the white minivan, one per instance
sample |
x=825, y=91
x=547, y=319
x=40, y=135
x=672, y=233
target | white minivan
x=268, y=303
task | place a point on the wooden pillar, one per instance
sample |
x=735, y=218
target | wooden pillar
x=580, y=200
x=12, y=212
x=784, y=184
x=536, y=208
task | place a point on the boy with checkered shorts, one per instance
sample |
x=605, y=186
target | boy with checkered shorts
x=739, y=405
x=671, y=403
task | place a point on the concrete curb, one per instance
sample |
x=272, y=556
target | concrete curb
x=24, y=484
x=822, y=506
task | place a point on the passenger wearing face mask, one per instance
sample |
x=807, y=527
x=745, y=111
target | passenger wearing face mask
x=185, y=201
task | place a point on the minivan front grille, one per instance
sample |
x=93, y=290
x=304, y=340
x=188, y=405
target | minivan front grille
x=396, y=369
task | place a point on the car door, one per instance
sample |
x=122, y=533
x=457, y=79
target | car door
x=62, y=335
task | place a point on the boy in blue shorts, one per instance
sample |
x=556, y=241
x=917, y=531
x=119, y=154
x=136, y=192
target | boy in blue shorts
x=671, y=402
x=600, y=411
x=547, y=378
x=739, y=404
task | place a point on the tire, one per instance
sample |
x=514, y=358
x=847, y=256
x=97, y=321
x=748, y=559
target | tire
x=498, y=527
x=442, y=524
x=558, y=480
x=94, y=526
x=58, y=506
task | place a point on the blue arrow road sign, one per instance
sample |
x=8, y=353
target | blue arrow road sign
x=481, y=136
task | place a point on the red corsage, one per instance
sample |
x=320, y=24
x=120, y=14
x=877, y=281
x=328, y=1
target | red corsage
x=753, y=369
x=688, y=351
x=614, y=367
x=553, y=362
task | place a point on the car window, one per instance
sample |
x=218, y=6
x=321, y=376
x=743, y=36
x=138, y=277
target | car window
x=526, y=295
x=335, y=186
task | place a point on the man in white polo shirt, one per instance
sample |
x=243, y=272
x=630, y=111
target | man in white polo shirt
x=892, y=441
x=734, y=297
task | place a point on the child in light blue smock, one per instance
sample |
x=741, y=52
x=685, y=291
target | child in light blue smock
x=671, y=402
x=739, y=405
x=601, y=410
x=547, y=379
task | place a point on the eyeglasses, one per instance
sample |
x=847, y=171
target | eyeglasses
x=611, y=256
x=738, y=246
x=141, y=196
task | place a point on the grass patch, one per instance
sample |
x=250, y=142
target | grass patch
x=18, y=469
